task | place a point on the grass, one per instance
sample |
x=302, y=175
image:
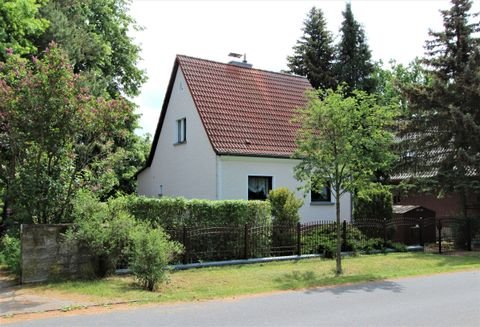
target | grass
x=221, y=282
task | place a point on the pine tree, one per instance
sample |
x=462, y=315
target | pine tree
x=444, y=115
x=353, y=64
x=314, y=53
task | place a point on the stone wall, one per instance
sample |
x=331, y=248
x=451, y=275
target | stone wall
x=47, y=256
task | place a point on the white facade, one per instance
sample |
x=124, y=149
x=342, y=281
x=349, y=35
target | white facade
x=232, y=183
x=193, y=170
x=186, y=169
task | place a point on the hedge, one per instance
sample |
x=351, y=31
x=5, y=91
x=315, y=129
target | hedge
x=176, y=212
x=208, y=244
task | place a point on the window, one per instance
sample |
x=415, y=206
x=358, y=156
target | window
x=323, y=195
x=258, y=187
x=181, y=130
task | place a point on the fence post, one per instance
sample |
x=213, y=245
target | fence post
x=299, y=243
x=439, y=227
x=469, y=234
x=245, y=254
x=344, y=235
x=184, y=241
x=420, y=234
x=384, y=232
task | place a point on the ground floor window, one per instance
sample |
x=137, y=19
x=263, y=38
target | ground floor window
x=322, y=195
x=258, y=187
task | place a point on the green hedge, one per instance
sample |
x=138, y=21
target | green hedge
x=204, y=244
x=373, y=203
x=176, y=212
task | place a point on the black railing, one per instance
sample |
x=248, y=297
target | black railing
x=212, y=243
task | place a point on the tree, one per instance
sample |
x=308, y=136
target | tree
x=55, y=137
x=94, y=34
x=314, y=53
x=353, y=64
x=443, y=122
x=342, y=141
x=19, y=25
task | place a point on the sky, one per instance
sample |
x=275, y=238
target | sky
x=265, y=31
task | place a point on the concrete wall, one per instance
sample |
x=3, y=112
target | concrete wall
x=232, y=183
x=186, y=169
x=45, y=255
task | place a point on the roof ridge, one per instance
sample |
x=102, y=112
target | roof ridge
x=249, y=68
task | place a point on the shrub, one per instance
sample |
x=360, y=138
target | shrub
x=104, y=229
x=374, y=203
x=10, y=254
x=175, y=212
x=285, y=206
x=324, y=239
x=150, y=253
x=399, y=247
x=285, y=216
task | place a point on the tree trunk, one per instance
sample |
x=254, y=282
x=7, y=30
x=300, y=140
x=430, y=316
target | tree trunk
x=339, y=235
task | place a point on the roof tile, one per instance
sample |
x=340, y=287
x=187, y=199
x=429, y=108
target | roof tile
x=245, y=111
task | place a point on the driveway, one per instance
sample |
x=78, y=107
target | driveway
x=439, y=300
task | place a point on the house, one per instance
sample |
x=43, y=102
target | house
x=225, y=132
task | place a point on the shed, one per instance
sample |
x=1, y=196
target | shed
x=414, y=224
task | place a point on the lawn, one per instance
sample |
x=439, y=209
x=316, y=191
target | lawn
x=221, y=282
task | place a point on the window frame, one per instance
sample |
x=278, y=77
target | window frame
x=181, y=134
x=270, y=185
x=326, y=201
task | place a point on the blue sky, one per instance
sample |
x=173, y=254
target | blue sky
x=266, y=32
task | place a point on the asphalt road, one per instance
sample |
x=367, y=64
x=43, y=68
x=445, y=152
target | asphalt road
x=440, y=300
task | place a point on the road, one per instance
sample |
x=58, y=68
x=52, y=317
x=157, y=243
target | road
x=439, y=300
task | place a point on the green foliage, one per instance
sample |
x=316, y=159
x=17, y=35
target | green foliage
x=55, y=138
x=314, y=53
x=342, y=142
x=374, y=202
x=151, y=252
x=442, y=131
x=324, y=240
x=20, y=24
x=199, y=215
x=353, y=64
x=398, y=247
x=10, y=254
x=175, y=212
x=95, y=36
x=104, y=229
x=285, y=206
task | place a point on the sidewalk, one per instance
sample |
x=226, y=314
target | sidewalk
x=14, y=301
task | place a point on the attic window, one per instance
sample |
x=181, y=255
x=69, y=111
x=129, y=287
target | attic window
x=181, y=130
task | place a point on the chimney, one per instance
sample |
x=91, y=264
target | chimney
x=243, y=63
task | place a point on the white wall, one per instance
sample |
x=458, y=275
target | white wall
x=232, y=183
x=187, y=169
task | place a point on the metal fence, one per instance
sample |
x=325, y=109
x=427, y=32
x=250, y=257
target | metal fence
x=212, y=243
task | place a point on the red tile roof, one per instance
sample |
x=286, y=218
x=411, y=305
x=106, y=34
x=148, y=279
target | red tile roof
x=245, y=111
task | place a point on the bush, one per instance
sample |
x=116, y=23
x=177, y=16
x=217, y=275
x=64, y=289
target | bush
x=176, y=212
x=285, y=206
x=324, y=240
x=103, y=228
x=374, y=203
x=10, y=254
x=150, y=253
